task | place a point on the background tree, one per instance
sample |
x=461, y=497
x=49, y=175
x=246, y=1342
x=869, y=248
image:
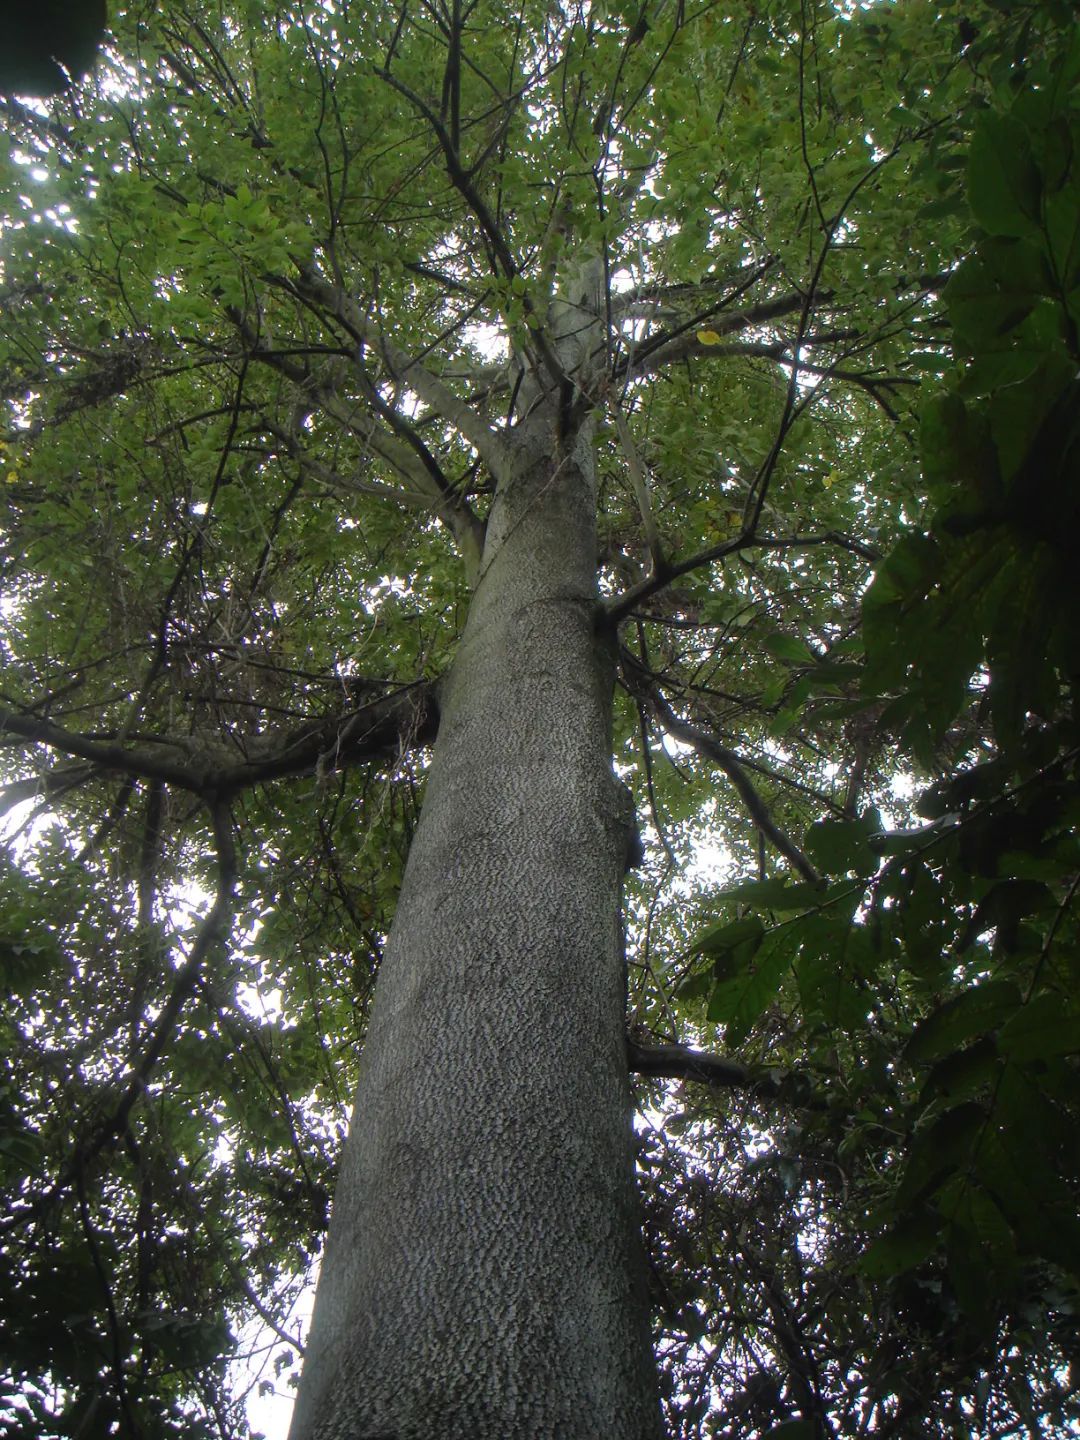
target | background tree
x=328, y=331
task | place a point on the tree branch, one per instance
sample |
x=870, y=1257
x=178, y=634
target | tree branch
x=461, y=180
x=45, y=787
x=640, y=483
x=208, y=768
x=619, y=606
x=682, y=342
x=148, y=762
x=404, y=450
x=488, y=444
x=711, y=748
x=387, y=725
x=340, y=485
x=708, y=746
x=680, y=1062
x=213, y=930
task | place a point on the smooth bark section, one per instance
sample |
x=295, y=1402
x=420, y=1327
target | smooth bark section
x=483, y=1277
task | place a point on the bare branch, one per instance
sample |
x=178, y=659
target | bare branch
x=682, y=342
x=711, y=748
x=388, y=725
x=650, y=789
x=642, y=683
x=213, y=930
x=45, y=787
x=494, y=237
x=403, y=450
x=419, y=499
x=148, y=762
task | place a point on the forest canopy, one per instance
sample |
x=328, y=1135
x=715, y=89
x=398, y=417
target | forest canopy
x=279, y=284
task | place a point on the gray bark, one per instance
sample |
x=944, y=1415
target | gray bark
x=483, y=1277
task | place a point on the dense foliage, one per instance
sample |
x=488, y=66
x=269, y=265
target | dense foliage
x=839, y=443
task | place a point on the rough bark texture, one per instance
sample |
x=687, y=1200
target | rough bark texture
x=482, y=1276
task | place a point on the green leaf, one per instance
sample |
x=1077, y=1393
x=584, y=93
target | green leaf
x=836, y=957
x=1044, y=1027
x=1003, y=907
x=720, y=939
x=1002, y=179
x=775, y=893
x=840, y=846
x=983, y=309
x=931, y=362
x=1016, y=422
x=903, y=1246
x=963, y=1075
x=906, y=572
x=1063, y=235
x=941, y=1148
x=968, y=1207
x=831, y=675
x=974, y=1012
x=960, y=464
x=739, y=998
x=787, y=647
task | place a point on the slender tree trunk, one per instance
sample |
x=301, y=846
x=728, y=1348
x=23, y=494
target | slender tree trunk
x=483, y=1275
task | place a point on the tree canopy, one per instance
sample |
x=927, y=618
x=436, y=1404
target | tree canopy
x=276, y=283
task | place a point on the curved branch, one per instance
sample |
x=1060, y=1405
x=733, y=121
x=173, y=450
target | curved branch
x=707, y=745
x=44, y=788
x=683, y=1062
x=640, y=484
x=385, y=727
x=711, y=748
x=680, y=343
x=341, y=486
x=493, y=233
x=108, y=754
x=398, y=444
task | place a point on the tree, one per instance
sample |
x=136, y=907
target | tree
x=569, y=415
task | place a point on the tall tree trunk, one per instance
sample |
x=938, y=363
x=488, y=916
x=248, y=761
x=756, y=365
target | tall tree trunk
x=483, y=1275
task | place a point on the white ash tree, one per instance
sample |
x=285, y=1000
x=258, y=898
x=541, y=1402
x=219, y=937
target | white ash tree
x=447, y=447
